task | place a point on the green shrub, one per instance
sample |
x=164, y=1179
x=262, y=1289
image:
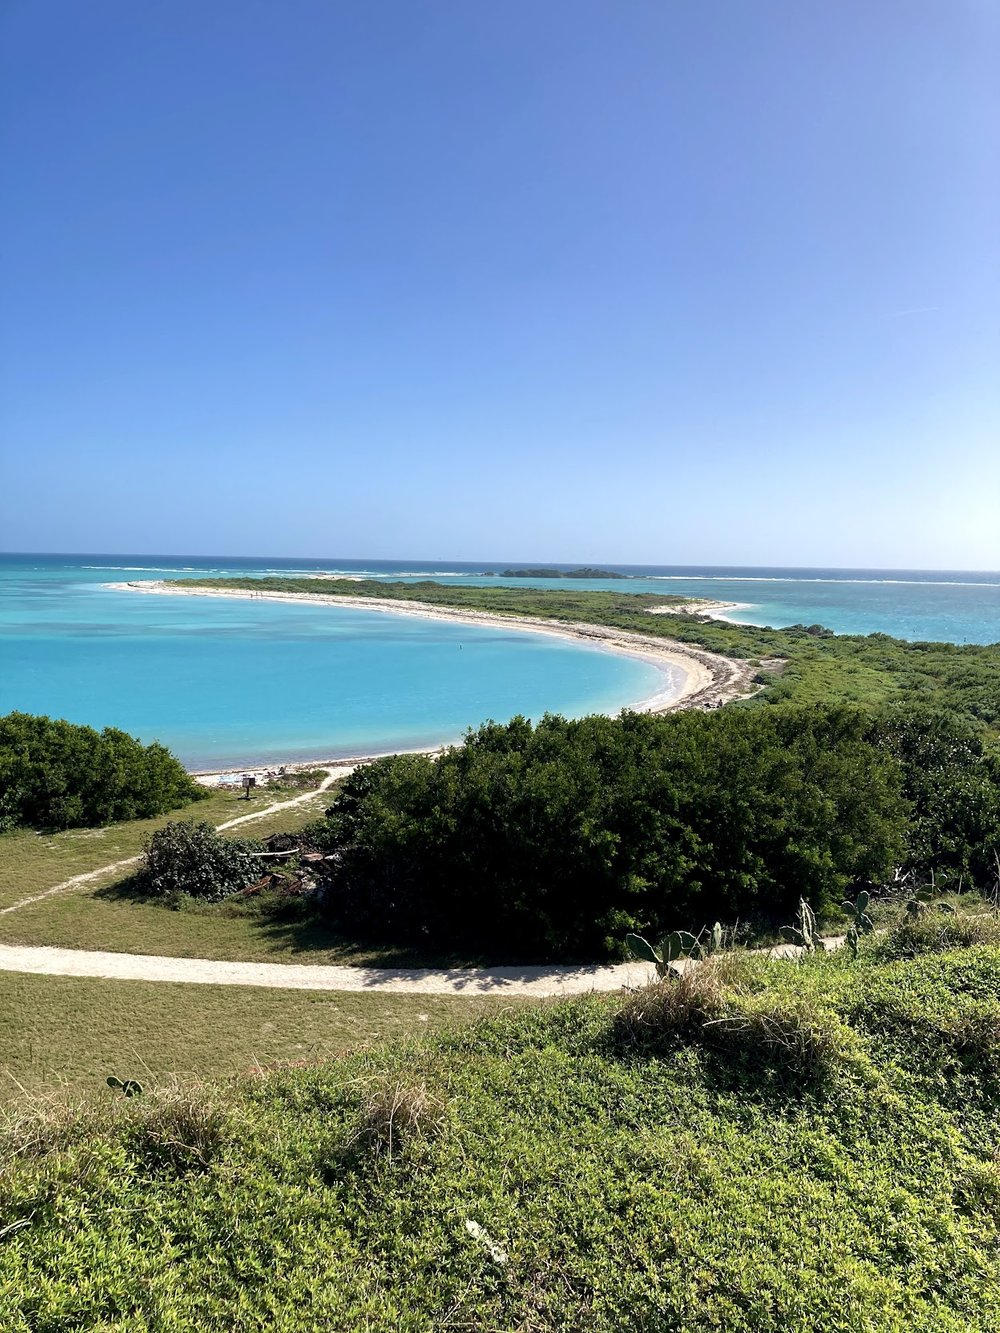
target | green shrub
x=951, y=781
x=936, y=932
x=183, y=857
x=55, y=775
x=556, y=840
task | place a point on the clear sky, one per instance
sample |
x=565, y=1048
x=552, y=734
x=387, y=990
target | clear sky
x=651, y=281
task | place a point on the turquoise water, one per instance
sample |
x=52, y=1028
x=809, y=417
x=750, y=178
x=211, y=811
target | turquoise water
x=226, y=682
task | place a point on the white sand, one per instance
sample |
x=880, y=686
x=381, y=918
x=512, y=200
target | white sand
x=706, y=607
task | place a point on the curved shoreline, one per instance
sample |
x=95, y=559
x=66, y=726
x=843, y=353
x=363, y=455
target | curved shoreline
x=707, y=679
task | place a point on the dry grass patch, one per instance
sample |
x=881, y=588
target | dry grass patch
x=394, y=1114
x=712, y=1006
x=654, y=1018
x=181, y=1125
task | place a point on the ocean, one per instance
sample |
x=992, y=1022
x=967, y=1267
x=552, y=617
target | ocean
x=227, y=683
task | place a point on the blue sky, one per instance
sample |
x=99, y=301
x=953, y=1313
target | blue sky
x=667, y=281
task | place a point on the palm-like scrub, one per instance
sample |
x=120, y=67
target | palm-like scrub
x=766, y=1146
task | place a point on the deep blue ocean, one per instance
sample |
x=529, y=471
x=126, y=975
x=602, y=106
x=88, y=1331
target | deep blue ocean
x=226, y=682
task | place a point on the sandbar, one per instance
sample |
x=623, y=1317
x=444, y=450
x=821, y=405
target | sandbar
x=707, y=679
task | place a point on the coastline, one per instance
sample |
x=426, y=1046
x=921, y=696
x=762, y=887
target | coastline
x=702, y=607
x=707, y=680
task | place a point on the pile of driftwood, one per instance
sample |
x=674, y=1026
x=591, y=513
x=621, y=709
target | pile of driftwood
x=294, y=867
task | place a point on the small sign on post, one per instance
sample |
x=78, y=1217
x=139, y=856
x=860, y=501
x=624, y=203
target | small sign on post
x=249, y=782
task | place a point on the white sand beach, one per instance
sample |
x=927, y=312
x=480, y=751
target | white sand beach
x=704, y=607
x=691, y=677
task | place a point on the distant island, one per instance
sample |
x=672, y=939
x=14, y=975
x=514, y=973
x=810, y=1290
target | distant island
x=585, y=573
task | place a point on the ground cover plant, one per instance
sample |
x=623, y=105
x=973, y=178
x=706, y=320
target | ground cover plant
x=769, y=1148
x=56, y=775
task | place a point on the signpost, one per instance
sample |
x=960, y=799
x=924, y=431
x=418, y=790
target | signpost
x=249, y=783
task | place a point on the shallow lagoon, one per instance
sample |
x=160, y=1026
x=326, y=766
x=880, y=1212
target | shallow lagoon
x=233, y=682
x=226, y=682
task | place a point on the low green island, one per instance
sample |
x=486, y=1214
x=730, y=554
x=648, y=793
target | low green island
x=544, y=572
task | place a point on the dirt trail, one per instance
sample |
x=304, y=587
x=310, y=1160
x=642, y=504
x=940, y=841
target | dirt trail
x=332, y=775
x=538, y=982
x=530, y=981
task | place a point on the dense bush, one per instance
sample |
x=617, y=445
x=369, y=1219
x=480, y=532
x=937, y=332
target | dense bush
x=184, y=857
x=951, y=781
x=56, y=775
x=555, y=840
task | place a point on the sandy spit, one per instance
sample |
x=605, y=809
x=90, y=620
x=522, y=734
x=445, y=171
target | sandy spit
x=707, y=679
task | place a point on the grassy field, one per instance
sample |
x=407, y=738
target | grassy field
x=762, y=1148
x=32, y=862
x=71, y=1032
x=108, y=918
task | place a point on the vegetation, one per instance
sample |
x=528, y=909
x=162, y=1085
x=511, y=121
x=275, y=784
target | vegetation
x=587, y=572
x=67, y=1034
x=32, y=862
x=759, y=1147
x=188, y=858
x=818, y=666
x=553, y=841
x=55, y=775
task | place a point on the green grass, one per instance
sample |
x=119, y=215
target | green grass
x=71, y=1032
x=110, y=918
x=32, y=862
x=821, y=1156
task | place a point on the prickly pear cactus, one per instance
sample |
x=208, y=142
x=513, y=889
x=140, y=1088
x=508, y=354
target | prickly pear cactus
x=858, y=913
x=672, y=948
x=129, y=1087
x=804, y=932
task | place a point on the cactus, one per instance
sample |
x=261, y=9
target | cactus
x=712, y=943
x=671, y=948
x=129, y=1087
x=861, y=922
x=916, y=905
x=803, y=933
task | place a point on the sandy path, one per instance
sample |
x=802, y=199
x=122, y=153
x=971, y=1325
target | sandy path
x=332, y=775
x=536, y=981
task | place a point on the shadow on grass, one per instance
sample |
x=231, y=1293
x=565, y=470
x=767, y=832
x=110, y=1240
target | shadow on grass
x=288, y=926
